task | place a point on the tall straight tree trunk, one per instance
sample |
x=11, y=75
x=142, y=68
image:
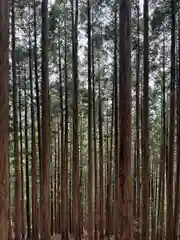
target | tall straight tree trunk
x=145, y=129
x=52, y=205
x=27, y=163
x=160, y=215
x=137, y=121
x=33, y=148
x=81, y=175
x=153, y=200
x=22, y=162
x=134, y=183
x=15, y=125
x=37, y=93
x=61, y=144
x=75, y=172
x=70, y=182
x=36, y=81
x=66, y=136
x=45, y=161
x=90, y=179
x=109, y=174
x=4, y=109
x=58, y=181
x=177, y=186
x=101, y=165
x=55, y=180
x=37, y=90
x=125, y=181
x=170, y=162
x=116, y=163
x=94, y=146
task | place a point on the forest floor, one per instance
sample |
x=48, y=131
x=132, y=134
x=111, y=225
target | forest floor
x=58, y=237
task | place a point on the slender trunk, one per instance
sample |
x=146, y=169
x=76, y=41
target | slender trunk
x=61, y=146
x=81, y=177
x=101, y=170
x=55, y=182
x=58, y=181
x=22, y=162
x=75, y=172
x=138, y=160
x=134, y=183
x=94, y=144
x=125, y=181
x=27, y=163
x=36, y=81
x=116, y=163
x=153, y=201
x=177, y=186
x=33, y=148
x=109, y=176
x=15, y=125
x=145, y=129
x=170, y=162
x=160, y=217
x=45, y=161
x=66, y=137
x=37, y=92
x=52, y=205
x=90, y=180
x=4, y=109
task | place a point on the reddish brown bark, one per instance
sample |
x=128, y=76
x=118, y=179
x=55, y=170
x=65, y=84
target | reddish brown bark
x=125, y=177
x=4, y=115
x=45, y=160
x=145, y=128
x=15, y=128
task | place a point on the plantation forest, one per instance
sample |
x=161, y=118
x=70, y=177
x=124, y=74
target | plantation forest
x=89, y=119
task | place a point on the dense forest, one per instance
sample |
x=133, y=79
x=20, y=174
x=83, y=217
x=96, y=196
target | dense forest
x=89, y=119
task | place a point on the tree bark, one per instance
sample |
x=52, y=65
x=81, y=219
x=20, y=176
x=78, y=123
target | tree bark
x=33, y=147
x=145, y=129
x=45, y=161
x=125, y=177
x=170, y=162
x=90, y=179
x=15, y=125
x=4, y=110
x=22, y=163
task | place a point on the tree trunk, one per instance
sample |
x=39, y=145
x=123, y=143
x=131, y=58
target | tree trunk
x=4, y=109
x=66, y=137
x=55, y=181
x=170, y=162
x=109, y=175
x=36, y=82
x=177, y=186
x=33, y=148
x=15, y=125
x=22, y=163
x=45, y=161
x=90, y=179
x=145, y=129
x=116, y=163
x=101, y=168
x=125, y=181
x=27, y=163
x=75, y=171
x=160, y=217
x=138, y=160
